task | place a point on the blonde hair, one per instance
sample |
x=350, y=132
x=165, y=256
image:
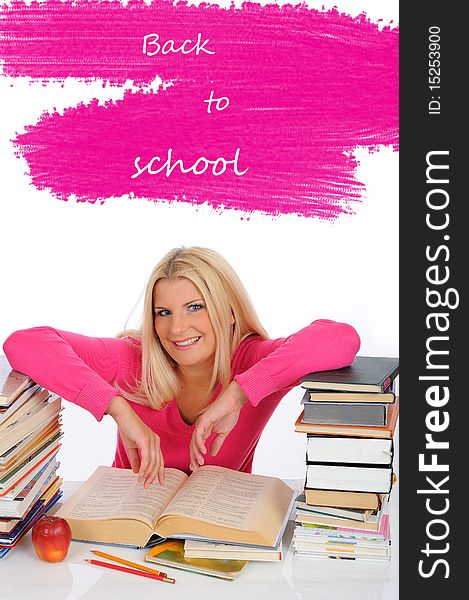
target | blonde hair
x=230, y=310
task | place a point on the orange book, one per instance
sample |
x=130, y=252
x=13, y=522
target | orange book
x=386, y=431
x=346, y=499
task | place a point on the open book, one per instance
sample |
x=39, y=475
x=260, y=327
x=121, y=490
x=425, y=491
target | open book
x=213, y=503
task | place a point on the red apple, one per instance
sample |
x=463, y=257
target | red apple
x=51, y=537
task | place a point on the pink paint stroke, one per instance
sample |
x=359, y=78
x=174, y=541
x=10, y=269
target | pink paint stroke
x=305, y=89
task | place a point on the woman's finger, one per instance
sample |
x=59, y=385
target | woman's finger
x=193, y=461
x=201, y=433
x=144, y=448
x=152, y=463
x=134, y=459
x=196, y=456
x=217, y=443
x=160, y=467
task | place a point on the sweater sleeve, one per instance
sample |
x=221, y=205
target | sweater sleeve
x=271, y=365
x=79, y=368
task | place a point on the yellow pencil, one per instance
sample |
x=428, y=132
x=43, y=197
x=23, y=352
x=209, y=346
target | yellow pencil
x=128, y=563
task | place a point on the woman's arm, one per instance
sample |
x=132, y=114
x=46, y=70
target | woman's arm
x=269, y=366
x=79, y=368
x=84, y=370
x=142, y=444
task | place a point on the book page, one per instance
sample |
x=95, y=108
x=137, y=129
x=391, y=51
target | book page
x=23, y=407
x=19, y=403
x=11, y=381
x=223, y=497
x=113, y=493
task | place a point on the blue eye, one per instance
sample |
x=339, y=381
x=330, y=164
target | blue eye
x=164, y=312
x=195, y=307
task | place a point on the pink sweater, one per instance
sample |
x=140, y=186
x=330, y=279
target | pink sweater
x=87, y=371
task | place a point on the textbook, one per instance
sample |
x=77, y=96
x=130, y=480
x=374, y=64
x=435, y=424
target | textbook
x=365, y=374
x=305, y=515
x=345, y=413
x=342, y=549
x=368, y=431
x=330, y=449
x=33, y=422
x=349, y=478
x=313, y=530
x=28, y=448
x=344, y=499
x=30, y=434
x=12, y=383
x=171, y=554
x=200, y=549
x=355, y=514
x=20, y=405
x=50, y=497
x=213, y=503
x=20, y=526
x=17, y=503
x=18, y=476
x=386, y=397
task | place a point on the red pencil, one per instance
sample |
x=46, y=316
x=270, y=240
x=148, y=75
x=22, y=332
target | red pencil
x=100, y=563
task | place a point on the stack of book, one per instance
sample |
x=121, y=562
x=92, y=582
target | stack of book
x=30, y=433
x=349, y=416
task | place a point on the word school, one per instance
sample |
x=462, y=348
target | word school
x=199, y=167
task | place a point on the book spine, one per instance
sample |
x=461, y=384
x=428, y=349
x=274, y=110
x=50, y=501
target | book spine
x=372, y=485
x=376, y=457
x=329, y=489
x=349, y=465
x=390, y=378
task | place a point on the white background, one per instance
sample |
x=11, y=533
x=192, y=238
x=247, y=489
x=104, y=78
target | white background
x=83, y=267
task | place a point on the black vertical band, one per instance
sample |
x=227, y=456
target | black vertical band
x=433, y=329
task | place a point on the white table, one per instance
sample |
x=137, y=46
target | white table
x=24, y=577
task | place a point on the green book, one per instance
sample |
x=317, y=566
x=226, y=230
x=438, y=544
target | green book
x=171, y=554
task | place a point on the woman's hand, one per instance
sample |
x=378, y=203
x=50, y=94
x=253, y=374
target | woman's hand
x=142, y=444
x=219, y=417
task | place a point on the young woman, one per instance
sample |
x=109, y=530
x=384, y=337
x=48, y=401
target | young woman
x=200, y=374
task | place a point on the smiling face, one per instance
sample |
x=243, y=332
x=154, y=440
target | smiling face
x=183, y=325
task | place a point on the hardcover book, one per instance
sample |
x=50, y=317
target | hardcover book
x=345, y=413
x=349, y=478
x=355, y=514
x=387, y=397
x=365, y=431
x=365, y=374
x=346, y=499
x=351, y=450
x=213, y=503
